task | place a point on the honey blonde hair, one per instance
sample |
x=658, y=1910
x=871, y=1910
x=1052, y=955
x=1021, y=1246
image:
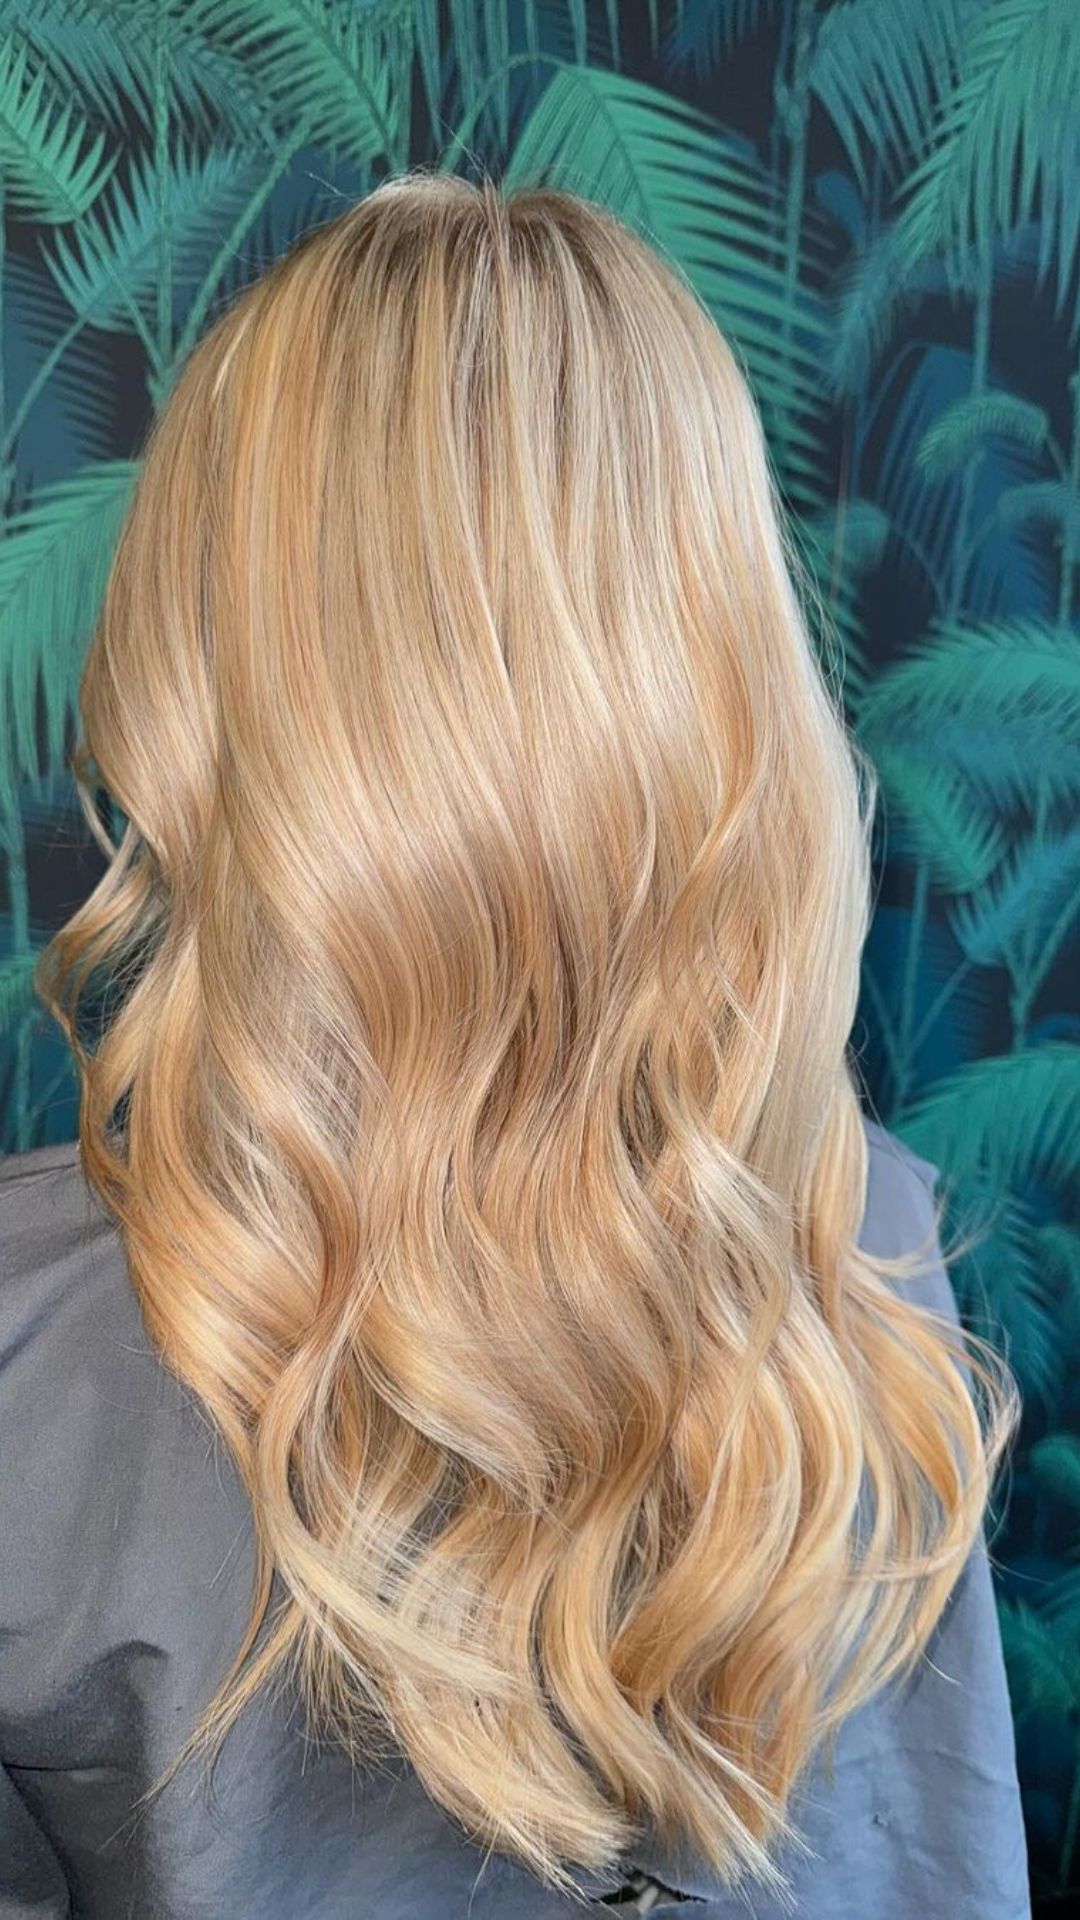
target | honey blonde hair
x=478, y=1111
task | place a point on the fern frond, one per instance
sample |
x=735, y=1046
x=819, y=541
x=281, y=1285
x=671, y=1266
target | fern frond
x=77, y=40
x=1008, y=144
x=880, y=71
x=116, y=248
x=337, y=67
x=931, y=813
x=998, y=704
x=1025, y=898
x=1012, y=1120
x=962, y=430
x=1045, y=503
x=1001, y=1288
x=709, y=31
x=1041, y=1661
x=17, y=996
x=54, y=166
x=1054, y=1463
x=54, y=564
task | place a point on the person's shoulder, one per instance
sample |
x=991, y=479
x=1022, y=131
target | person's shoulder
x=50, y=1217
x=900, y=1217
x=901, y=1192
x=69, y=1320
x=57, y=1160
x=894, y=1163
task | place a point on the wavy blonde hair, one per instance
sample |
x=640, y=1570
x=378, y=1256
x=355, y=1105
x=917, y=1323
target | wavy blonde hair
x=478, y=1113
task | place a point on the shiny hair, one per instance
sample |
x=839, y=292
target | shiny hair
x=478, y=1112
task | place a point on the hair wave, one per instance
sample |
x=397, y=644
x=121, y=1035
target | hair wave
x=478, y=1111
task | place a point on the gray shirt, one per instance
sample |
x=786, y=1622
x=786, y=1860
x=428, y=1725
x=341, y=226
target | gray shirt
x=125, y=1578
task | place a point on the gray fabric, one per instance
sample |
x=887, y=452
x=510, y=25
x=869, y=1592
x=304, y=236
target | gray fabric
x=125, y=1567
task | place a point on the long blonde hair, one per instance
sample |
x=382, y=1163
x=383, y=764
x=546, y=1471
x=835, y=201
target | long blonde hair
x=478, y=1113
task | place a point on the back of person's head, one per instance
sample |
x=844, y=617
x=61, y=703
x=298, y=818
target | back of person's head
x=478, y=1111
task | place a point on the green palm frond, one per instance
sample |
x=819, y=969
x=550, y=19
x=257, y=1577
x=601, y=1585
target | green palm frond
x=1002, y=1290
x=106, y=55
x=484, y=44
x=54, y=167
x=1054, y=1462
x=1041, y=1660
x=883, y=280
x=839, y=547
x=343, y=69
x=710, y=207
x=929, y=514
x=1028, y=898
x=1058, y=1249
x=1043, y=503
x=998, y=703
x=206, y=86
x=83, y=380
x=962, y=430
x=859, y=528
x=1008, y=144
x=710, y=30
x=879, y=71
x=932, y=814
x=116, y=248
x=1059, y=1605
x=1012, y=1120
x=17, y=996
x=54, y=564
x=78, y=41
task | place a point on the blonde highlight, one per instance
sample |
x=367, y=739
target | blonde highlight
x=491, y=1164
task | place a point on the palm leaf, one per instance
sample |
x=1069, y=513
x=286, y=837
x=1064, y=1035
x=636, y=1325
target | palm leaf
x=53, y=166
x=998, y=704
x=54, y=564
x=879, y=284
x=879, y=72
x=1046, y=503
x=106, y=55
x=1058, y=1248
x=299, y=203
x=337, y=66
x=931, y=813
x=839, y=547
x=1041, y=1660
x=1026, y=898
x=1060, y=1603
x=709, y=206
x=1011, y=1120
x=1054, y=1462
x=962, y=430
x=78, y=42
x=1008, y=148
x=17, y=995
x=860, y=528
x=83, y=379
x=1002, y=1288
x=116, y=249
x=709, y=31
x=926, y=510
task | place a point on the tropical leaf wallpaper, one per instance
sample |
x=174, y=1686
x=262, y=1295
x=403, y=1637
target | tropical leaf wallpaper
x=880, y=202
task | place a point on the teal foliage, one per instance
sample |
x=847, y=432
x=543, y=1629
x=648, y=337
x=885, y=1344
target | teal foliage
x=880, y=204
